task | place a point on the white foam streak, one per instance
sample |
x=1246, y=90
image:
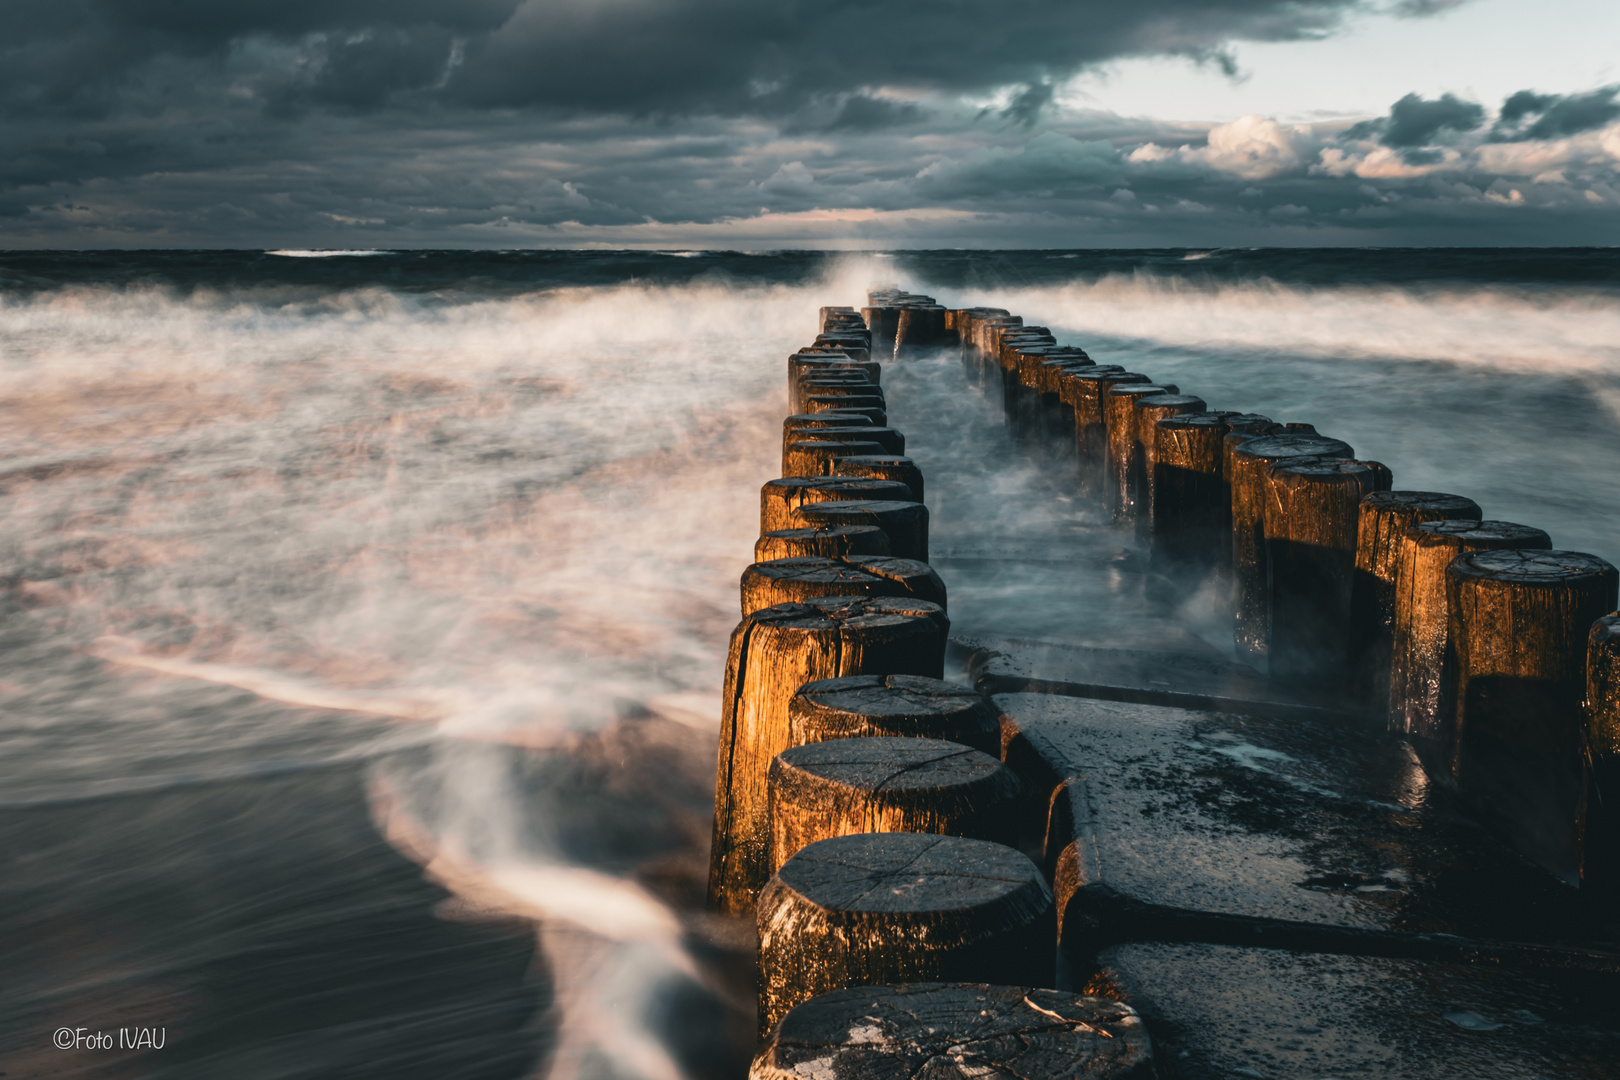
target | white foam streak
x=1511, y=329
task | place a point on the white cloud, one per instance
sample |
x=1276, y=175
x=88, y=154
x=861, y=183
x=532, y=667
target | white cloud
x=1250, y=147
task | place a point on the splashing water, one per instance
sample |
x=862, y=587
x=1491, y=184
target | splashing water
x=476, y=548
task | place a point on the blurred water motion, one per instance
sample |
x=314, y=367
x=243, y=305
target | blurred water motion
x=363, y=618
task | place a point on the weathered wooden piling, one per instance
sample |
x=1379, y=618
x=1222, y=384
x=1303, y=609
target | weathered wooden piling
x=892, y=441
x=876, y=785
x=811, y=421
x=774, y=652
x=1119, y=420
x=1385, y=519
x=832, y=314
x=830, y=543
x=1083, y=391
x=1146, y=411
x=1311, y=514
x=859, y=390
x=1190, y=504
x=797, y=580
x=871, y=406
x=956, y=1031
x=1600, y=817
x=871, y=706
x=807, y=363
x=1246, y=471
x=905, y=522
x=883, y=320
x=1422, y=705
x=780, y=500
x=814, y=457
x=900, y=908
x=1519, y=621
x=919, y=326
x=882, y=467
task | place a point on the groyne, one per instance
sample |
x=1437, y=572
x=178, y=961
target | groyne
x=1377, y=834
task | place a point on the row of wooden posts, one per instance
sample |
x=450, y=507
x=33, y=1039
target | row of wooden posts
x=862, y=812
x=1492, y=653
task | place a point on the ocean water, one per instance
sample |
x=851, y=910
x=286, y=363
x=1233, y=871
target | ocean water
x=363, y=615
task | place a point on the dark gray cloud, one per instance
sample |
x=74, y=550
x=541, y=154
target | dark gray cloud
x=1414, y=122
x=718, y=123
x=1529, y=115
x=675, y=57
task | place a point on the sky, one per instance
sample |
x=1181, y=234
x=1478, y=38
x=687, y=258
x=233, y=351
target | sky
x=763, y=124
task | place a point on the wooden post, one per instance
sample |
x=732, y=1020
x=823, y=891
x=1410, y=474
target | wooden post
x=809, y=421
x=1247, y=472
x=773, y=653
x=857, y=343
x=832, y=317
x=901, y=908
x=883, y=321
x=796, y=581
x=814, y=457
x=920, y=326
x=1119, y=421
x=892, y=441
x=1084, y=392
x=824, y=381
x=781, y=500
x=883, y=467
x=1520, y=622
x=1422, y=668
x=872, y=407
x=1311, y=514
x=1600, y=831
x=1057, y=416
x=1190, y=504
x=871, y=706
x=826, y=543
x=888, y=784
x=804, y=364
x=960, y=1032
x=1146, y=412
x=830, y=385
x=1385, y=518
x=905, y=522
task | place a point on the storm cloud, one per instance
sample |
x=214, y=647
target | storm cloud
x=722, y=123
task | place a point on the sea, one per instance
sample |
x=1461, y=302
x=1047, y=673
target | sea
x=363, y=614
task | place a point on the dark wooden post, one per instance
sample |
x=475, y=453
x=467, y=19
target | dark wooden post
x=1190, y=503
x=906, y=523
x=1057, y=415
x=1519, y=621
x=883, y=321
x=901, y=908
x=1600, y=831
x=780, y=500
x=838, y=386
x=790, y=581
x=1385, y=518
x=892, y=441
x=1084, y=392
x=870, y=706
x=848, y=786
x=874, y=408
x=1310, y=514
x=812, y=421
x=814, y=457
x=832, y=316
x=1119, y=419
x=1422, y=668
x=920, y=326
x=825, y=543
x=1147, y=411
x=956, y=1031
x=773, y=653
x=882, y=467
x=1246, y=469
